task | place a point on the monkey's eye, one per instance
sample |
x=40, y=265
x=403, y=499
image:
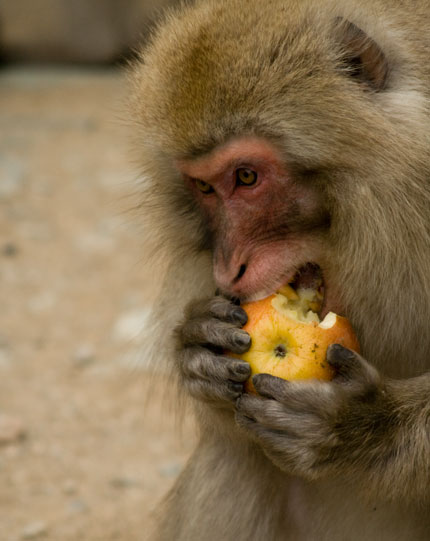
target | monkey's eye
x=203, y=186
x=245, y=177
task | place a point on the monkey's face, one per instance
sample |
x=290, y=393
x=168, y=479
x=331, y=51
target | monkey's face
x=261, y=122
x=289, y=130
x=266, y=220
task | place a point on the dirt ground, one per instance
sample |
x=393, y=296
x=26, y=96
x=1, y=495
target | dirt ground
x=82, y=455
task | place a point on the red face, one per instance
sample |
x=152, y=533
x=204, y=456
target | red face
x=264, y=222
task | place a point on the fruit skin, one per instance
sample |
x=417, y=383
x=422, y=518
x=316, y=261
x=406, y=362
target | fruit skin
x=305, y=344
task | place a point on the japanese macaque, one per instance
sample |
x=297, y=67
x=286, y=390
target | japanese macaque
x=281, y=139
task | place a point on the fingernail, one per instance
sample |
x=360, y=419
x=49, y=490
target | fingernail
x=243, y=368
x=341, y=351
x=241, y=316
x=243, y=339
x=257, y=379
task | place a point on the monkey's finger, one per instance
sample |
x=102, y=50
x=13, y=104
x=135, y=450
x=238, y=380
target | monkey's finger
x=217, y=333
x=271, y=438
x=270, y=386
x=301, y=446
x=220, y=308
x=270, y=414
x=312, y=397
x=198, y=362
x=289, y=453
x=306, y=396
x=214, y=392
x=350, y=366
x=246, y=422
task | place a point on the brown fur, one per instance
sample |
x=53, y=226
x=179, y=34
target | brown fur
x=276, y=69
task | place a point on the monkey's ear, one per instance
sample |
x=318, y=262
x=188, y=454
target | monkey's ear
x=364, y=59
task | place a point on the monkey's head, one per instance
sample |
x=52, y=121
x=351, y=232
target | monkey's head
x=279, y=134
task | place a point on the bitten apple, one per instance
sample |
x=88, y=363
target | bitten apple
x=289, y=340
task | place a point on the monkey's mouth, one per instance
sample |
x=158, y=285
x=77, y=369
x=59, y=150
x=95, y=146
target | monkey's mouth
x=310, y=276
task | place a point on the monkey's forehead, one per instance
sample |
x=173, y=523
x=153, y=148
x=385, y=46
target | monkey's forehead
x=223, y=68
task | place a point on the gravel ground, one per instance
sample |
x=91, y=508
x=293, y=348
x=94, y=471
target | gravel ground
x=83, y=455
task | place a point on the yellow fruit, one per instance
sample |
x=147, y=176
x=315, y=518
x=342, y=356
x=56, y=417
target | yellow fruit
x=288, y=339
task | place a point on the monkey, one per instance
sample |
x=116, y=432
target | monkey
x=279, y=139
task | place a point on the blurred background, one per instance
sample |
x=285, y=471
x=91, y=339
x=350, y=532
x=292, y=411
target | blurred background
x=83, y=453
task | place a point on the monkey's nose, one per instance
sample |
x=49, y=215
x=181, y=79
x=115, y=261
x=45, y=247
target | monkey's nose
x=241, y=272
x=228, y=276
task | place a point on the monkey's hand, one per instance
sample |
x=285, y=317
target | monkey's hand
x=359, y=426
x=212, y=326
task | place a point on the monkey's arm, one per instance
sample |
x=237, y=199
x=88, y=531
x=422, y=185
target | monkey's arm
x=210, y=327
x=373, y=431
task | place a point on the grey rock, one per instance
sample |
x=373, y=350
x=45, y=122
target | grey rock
x=170, y=469
x=12, y=176
x=77, y=506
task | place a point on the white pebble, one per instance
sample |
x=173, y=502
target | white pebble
x=34, y=530
x=130, y=325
